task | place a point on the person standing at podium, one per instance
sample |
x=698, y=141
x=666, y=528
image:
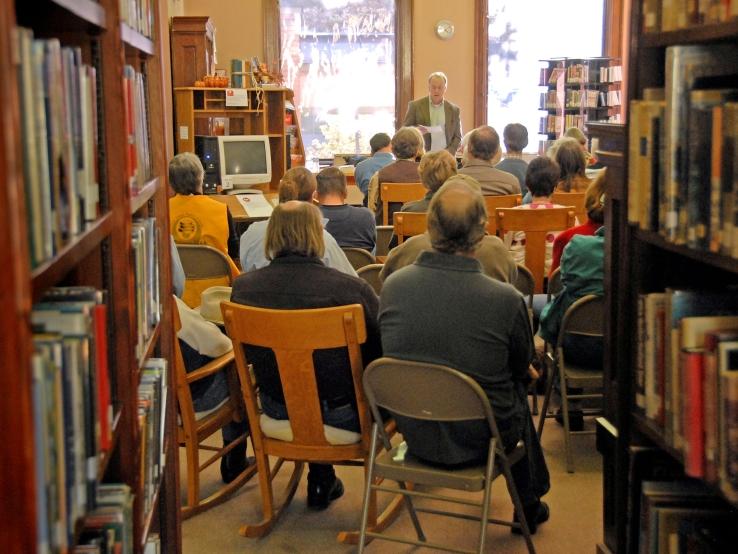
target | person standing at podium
x=432, y=112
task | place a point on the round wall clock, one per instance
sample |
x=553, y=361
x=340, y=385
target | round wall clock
x=444, y=29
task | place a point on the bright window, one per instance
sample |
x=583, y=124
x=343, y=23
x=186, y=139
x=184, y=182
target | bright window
x=522, y=32
x=339, y=58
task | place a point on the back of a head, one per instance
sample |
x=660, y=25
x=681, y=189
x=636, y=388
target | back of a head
x=457, y=218
x=407, y=143
x=484, y=143
x=379, y=141
x=577, y=134
x=186, y=173
x=571, y=160
x=594, y=198
x=298, y=183
x=331, y=181
x=435, y=168
x=541, y=176
x=515, y=136
x=294, y=227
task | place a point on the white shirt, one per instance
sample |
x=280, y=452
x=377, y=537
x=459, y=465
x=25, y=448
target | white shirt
x=200, y=334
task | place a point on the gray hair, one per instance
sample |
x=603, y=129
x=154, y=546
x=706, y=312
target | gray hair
x=439, y=75
x=186, y=173
x=457, y=218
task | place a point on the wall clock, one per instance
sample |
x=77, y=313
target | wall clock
x=444, y=29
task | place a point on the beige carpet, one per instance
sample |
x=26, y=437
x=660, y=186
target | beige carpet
x=575, y=525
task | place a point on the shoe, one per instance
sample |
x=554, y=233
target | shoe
x=576, y=420
x=320, y=495
x=537, y=514
x=234, y=463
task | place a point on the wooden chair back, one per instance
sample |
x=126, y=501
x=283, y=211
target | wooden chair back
x=193, y=430
x=573, y=199
x=501, y=201
x=409, y=224
x=536, y=224
x=399, y=192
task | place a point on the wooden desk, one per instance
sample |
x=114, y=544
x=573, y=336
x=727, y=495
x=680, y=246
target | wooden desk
x=355, y=198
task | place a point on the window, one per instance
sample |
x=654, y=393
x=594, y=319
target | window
x=339, y=58
x=522, y=32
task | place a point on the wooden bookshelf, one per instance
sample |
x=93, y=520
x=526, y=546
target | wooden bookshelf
x=637, y=262
x=100, y=256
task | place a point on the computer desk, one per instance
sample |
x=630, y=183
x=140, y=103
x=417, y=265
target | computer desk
x=355, y=198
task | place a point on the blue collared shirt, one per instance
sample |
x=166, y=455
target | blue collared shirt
x=367, y=168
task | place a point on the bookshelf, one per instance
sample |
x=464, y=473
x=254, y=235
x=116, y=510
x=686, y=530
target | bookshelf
x=577, y=90
x=103, y=204
x=270, y=112
x=645, y=435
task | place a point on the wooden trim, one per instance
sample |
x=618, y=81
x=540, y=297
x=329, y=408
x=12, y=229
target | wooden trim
x=612, y=26
x=403, y=58
x=272, y=31
x=481, y=54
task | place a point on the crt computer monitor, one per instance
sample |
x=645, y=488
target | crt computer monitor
x=245, y=160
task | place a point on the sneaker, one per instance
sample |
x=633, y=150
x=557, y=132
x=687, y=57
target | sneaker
x=534, y=516
x=320, y=495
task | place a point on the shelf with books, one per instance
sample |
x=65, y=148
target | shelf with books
x=136, y=40
x=720, y=261
x=88, y=10
x=147, y=192
x=655, y=435
x=699, y=34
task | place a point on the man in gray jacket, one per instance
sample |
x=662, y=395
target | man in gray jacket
x=435, y=111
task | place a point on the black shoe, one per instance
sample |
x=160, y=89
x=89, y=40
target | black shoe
x=234, y=463
x=320, y=495
x=534, y=516
x=576, y=420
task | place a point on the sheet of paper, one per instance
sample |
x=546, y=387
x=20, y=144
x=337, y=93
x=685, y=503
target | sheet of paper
x=438, y=138
x=255, y=205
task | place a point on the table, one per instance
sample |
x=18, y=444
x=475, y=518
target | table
x=355, y=198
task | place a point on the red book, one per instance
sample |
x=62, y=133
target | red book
x=693, y=372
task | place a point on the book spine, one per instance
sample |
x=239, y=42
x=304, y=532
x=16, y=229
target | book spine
x=693, y=412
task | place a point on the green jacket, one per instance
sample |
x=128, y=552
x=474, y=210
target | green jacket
x=582, y=268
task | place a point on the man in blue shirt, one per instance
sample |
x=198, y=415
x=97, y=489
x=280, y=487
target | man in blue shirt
x=381, y=156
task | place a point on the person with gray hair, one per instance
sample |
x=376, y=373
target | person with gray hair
x=480, y=156
x=474, y=324
x=435, y=111
x=196, y=219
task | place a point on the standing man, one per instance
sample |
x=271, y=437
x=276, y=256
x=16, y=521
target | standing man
x=433, y=111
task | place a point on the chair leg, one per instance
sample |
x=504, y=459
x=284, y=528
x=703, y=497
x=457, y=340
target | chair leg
x=487, y=495
x=271, y=511
x=565, y=414
x=535, y=400
x=376, y=524
x=193, y=474
x=513, y=491
x=413, y=514
x=546, y=400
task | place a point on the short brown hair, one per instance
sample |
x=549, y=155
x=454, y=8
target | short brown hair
x=594, y=198
x=515, y=137
x=297, y=183
x=571, y=160
x=484, y=143
x=331, y=180
x=541, y=176
x=457, y=218
x=406, y=143
x=294, y=228
x=186, y=173
x=379, y=141
x=435, y=168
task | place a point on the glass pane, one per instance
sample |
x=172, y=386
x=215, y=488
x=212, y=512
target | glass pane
x=339, y=58
x=522, y=32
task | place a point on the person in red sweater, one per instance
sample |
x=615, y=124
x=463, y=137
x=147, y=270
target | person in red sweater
x=594, y=202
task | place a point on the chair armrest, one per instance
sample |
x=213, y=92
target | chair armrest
x=210, y=368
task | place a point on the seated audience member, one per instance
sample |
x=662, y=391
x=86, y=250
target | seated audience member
x=195, y=218
x=474, y=324
x=572, y=163
x=540, y=179
x=594, y=203
x=483, y=153
x=577, y=134
x=434, y=169
x=407, y=145
x=496, y=260
x=297, y=184
x=381, y=156
x=296, y=278
x=349, y=225
x=515, y=137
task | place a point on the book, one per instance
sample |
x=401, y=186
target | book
x=728, y=419
x=654, y=355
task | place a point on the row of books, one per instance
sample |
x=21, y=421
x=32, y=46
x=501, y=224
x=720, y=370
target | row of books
x=669, y=15
x=550, y=124
x=550, y=100
x=108, y=528
x=152, y=402
x=611, y=74
x=144, y=239
x=59, y=131
x=139, y=15
x=72, y=407
x=139, y=167
x=683, y=516
x=682, y=159
x=686, y=380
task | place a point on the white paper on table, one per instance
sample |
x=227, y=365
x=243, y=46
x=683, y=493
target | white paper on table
x=438, y=138
x=255, y=205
